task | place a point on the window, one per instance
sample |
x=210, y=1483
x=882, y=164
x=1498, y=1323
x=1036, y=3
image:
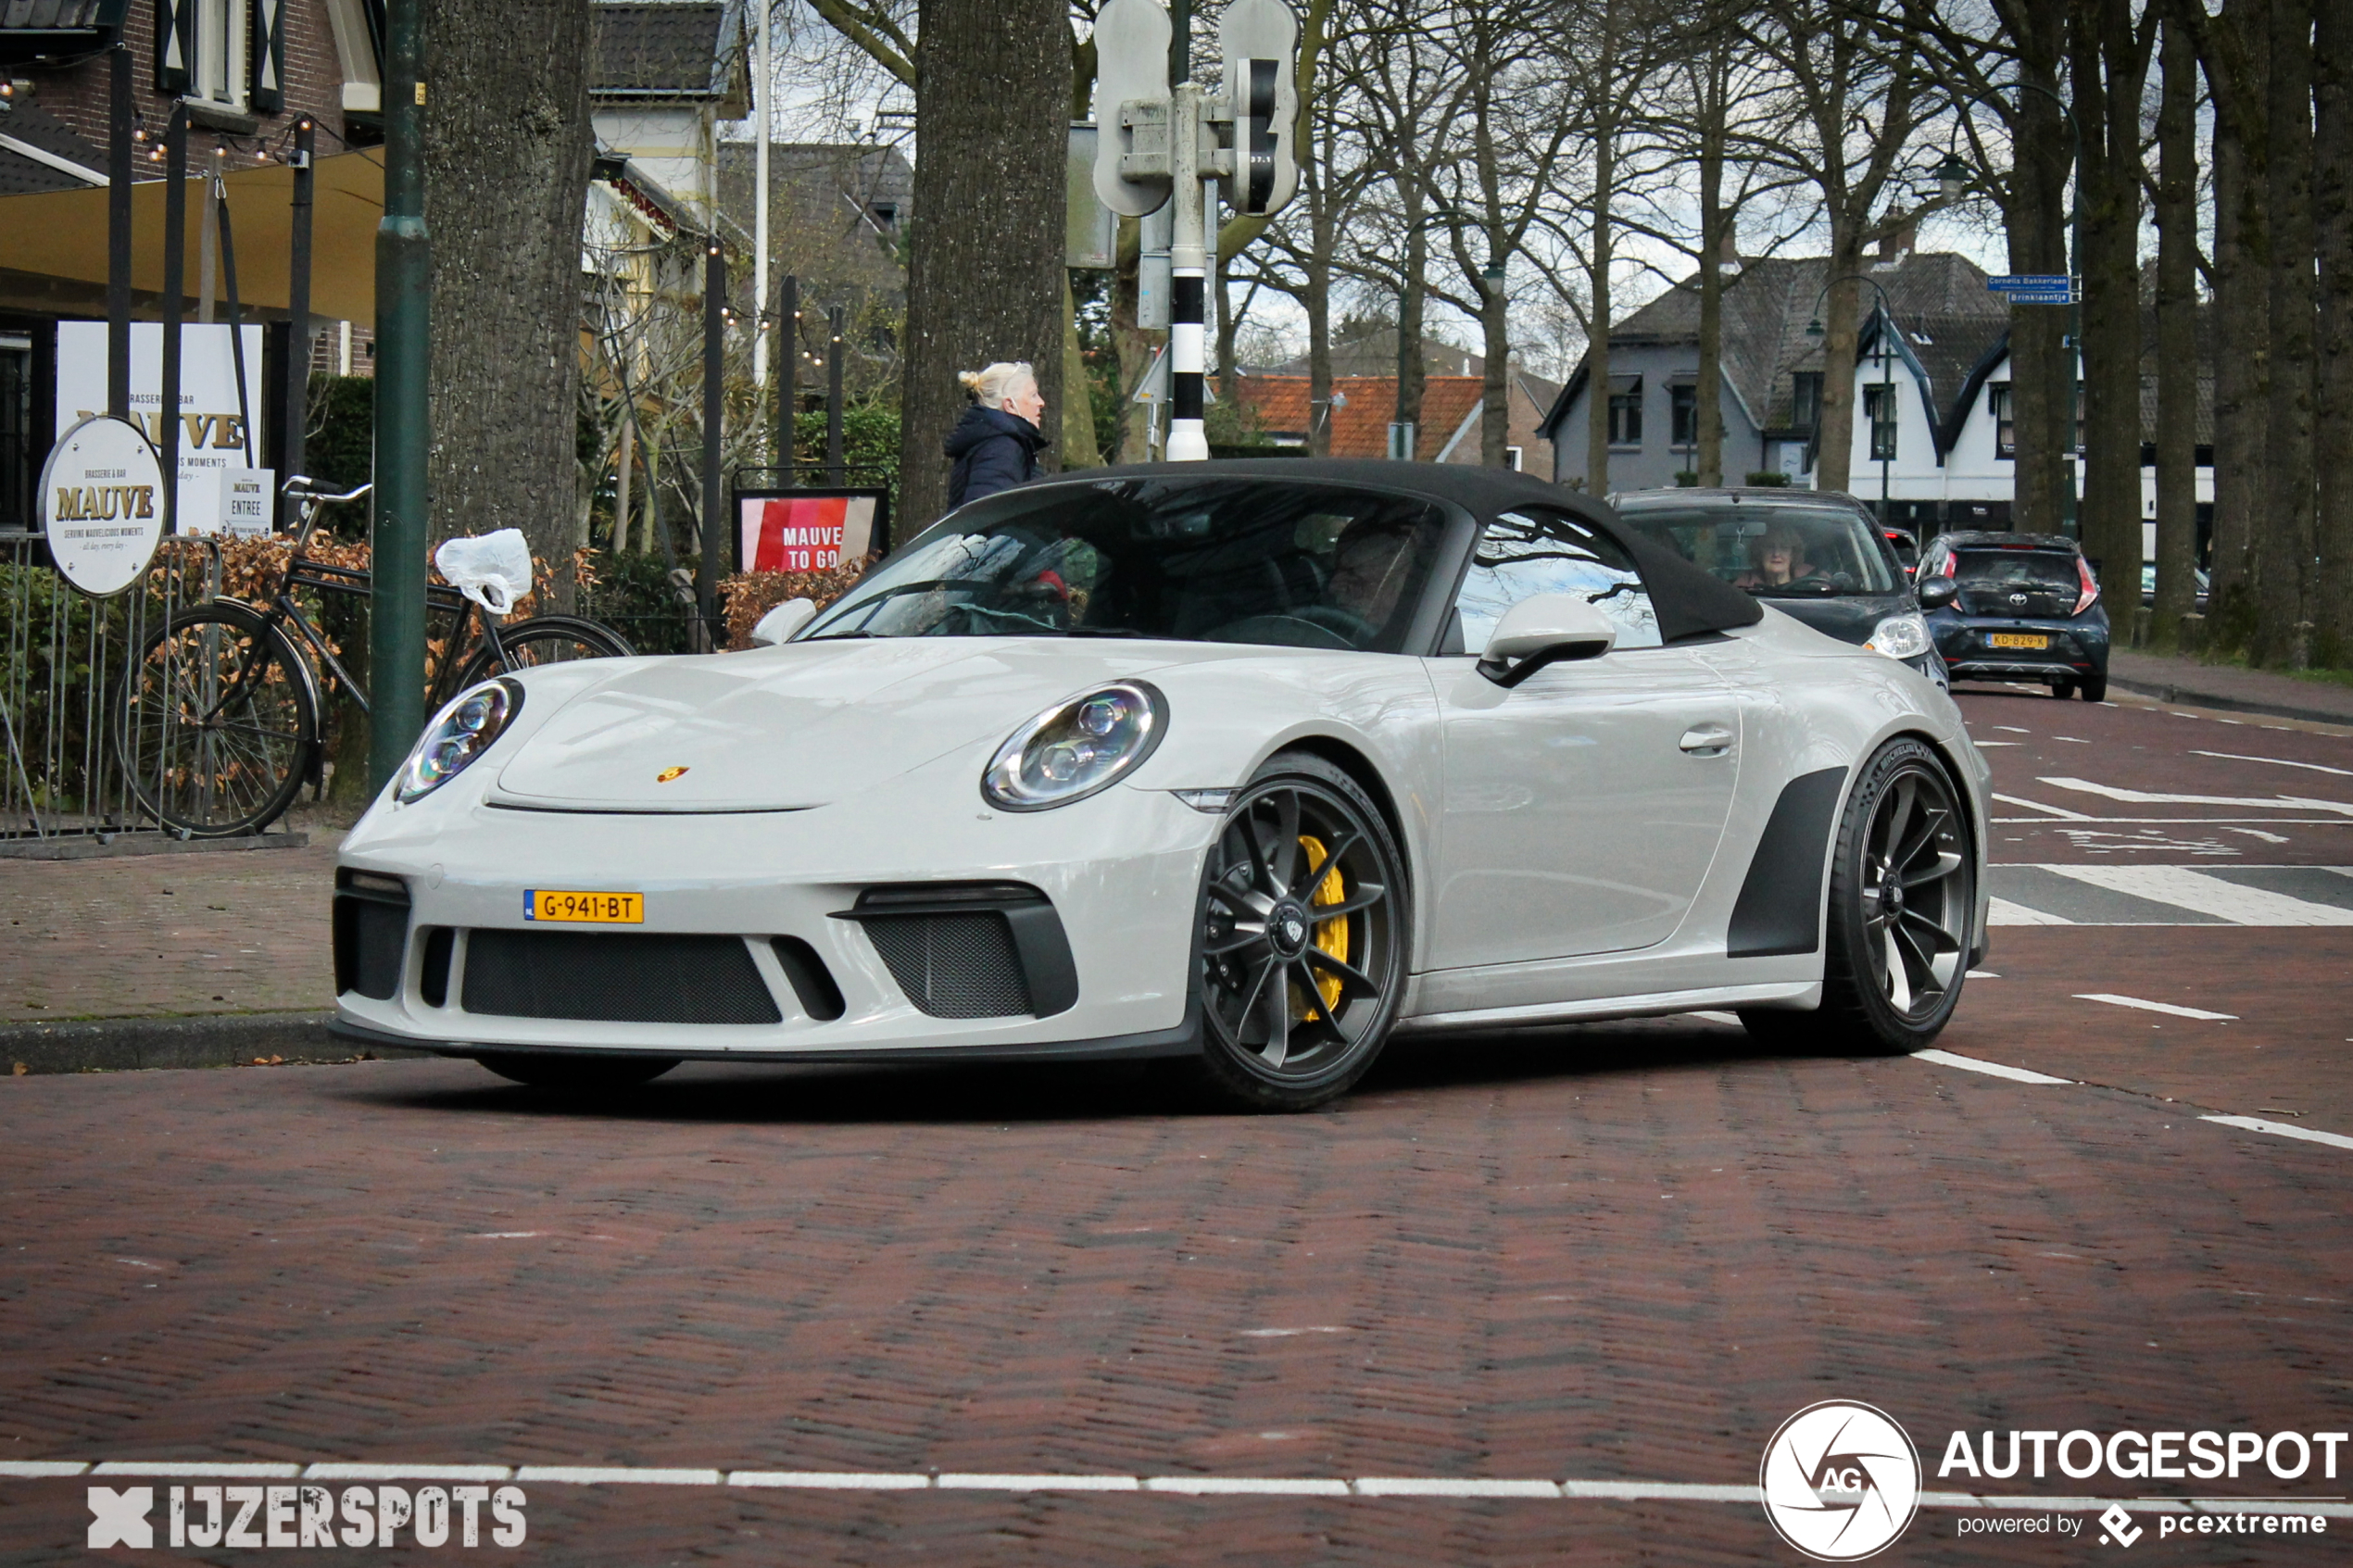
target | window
x=1682, y=406
x=1513, y=457
x=1997, y=404
x=885, y=214
x=18, y=469
x=1804, y=399
x=226, y=52
x=1524, y=554
x=1878, y=407
x=1626, y=411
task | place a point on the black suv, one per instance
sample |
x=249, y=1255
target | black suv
x=1820, y=557
x=2028, y=608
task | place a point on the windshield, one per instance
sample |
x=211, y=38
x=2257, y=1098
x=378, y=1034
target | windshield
x=2048, y=571
x=1291, y=564
x=1774, y=551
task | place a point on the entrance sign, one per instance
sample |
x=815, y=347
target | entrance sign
x=102, y=504
x=809, y=530
x=213, y=436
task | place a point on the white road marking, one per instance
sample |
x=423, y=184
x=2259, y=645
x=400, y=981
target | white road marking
x=2072, y=740
x=2147, y=797
x=2060, y=812
x=1984, y=744
x=2259, y=833
x=2281, y=1129
x=2146, y=1005
x=2001, y=911
x=505, y=1236
x=2276, y=762
x=1183, y=1486
x=2013, y=729
x=1982, y=974
x=2187, y=889
x=1286, y=1332
x=1991, y=1069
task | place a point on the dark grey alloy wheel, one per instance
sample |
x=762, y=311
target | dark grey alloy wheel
x=1301, y=958
x=1903, y=896
x=581, y=1073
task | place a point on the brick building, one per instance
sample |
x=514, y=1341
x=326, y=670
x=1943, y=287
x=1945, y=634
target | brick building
x=248, y=71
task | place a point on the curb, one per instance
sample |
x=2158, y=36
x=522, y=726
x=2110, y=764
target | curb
x=2182, y=697
x=118, y=1045
x=107, y=845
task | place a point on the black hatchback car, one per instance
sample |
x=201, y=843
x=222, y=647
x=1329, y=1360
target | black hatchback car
x=1823, y=557
x=2028, y=607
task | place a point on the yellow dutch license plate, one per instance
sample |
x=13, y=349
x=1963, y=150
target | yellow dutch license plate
x=585, y=909
x=2016, y=640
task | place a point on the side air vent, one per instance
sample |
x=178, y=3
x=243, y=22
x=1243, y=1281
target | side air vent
x=813, y=983
x=371, y=929
x=974, y=949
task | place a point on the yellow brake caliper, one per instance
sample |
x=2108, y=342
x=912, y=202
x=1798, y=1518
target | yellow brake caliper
x=1330, y=936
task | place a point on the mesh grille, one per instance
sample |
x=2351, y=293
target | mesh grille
x=617, y=979
x=953, y=965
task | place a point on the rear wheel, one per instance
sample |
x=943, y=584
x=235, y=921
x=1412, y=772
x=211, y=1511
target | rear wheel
x=2095, y=688
x=2062, y=689
x=1903, y=895
x=576, y=1073
x=543, y=639
x=1300, y=960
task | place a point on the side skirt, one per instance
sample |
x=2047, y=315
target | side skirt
x=1795, y=995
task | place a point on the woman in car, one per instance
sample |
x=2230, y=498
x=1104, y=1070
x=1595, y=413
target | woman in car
x=1780, y=561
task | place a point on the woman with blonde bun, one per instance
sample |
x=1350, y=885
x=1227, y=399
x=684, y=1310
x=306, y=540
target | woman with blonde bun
x=994, y=445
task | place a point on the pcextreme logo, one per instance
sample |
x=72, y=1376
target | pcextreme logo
x=1840, y=1481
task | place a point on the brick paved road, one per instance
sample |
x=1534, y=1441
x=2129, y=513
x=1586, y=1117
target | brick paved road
x=1616, y=1252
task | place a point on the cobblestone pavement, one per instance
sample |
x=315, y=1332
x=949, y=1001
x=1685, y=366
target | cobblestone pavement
x=1621, y=1252
x=151, y=935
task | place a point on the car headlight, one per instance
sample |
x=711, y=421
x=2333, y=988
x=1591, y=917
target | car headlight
x=459, y=734
x=1900, y=636
x=1075, y=749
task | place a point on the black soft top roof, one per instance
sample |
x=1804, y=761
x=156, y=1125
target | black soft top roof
x=1688, y=601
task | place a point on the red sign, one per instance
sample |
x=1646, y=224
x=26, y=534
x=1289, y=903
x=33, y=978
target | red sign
x=811, y=531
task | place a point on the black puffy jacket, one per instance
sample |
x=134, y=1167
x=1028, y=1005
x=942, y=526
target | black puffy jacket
x=992, y=451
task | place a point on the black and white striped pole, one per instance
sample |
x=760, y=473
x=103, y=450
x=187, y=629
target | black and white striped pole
x=1188, y=278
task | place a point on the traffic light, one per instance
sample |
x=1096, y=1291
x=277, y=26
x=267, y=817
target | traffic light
x=1259, y=40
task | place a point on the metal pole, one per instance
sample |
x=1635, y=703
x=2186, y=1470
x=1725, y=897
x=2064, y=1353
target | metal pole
x=788, y=378
x=296, y=410
x=762, y=328
x=120, y=114
x=833, y=396
x=1887, y=405
x=404, y=322
x=1181, y=43
x=1189, y=278
x=715, y=522
x=175, y=304
x=2068, y=523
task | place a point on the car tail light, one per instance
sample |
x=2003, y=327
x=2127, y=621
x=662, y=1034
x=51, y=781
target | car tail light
x=2090, y=584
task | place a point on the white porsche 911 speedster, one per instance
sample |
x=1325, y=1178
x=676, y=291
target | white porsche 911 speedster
x=1254, y=763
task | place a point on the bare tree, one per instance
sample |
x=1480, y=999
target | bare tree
x=2332, y=224
x=2177, y=360
x=2235, y=52
x=2285, y=586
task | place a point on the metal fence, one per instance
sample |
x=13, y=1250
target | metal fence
x=71, y=744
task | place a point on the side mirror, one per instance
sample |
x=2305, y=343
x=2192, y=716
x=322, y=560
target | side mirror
x=1935, y=592
x=1544, y=629
x=784, y=621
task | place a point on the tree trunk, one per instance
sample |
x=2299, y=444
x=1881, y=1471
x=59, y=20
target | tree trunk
x=2333, y=410
x=1133, y=345
x=2283, y=550
x=1832, y=469
x=507, y=149
x=1411, y=294
x=2177, y=366
x=1707, y=403
x=2108, y=81
x=984, y=282
x=1323, y=236
x=2234, y=59
x=2042, y=405
x=1077, y=438
x=1597, y=333
x=1495, y=392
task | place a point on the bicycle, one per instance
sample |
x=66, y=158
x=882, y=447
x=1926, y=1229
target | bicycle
x=221, y=718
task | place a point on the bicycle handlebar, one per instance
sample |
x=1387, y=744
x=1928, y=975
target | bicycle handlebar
x=306, y=494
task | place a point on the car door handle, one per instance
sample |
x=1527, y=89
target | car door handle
x=1707, y=740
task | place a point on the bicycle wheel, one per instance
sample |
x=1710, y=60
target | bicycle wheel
x=544, y=639
x=218, y=720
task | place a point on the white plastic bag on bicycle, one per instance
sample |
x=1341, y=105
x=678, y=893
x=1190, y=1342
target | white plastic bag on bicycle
x=494, y=570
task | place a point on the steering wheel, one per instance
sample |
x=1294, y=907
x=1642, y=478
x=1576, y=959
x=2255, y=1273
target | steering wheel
x=1358, y=631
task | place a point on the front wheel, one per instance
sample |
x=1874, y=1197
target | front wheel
x=215, y=721
x=579, y=1073
x=1903, y=896
x=1300, y=957
x=543, y=639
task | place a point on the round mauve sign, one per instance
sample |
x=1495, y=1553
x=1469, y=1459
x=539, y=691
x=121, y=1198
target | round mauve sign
x=102, y=504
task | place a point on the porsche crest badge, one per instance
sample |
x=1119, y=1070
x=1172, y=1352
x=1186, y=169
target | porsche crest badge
x=669, y=773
